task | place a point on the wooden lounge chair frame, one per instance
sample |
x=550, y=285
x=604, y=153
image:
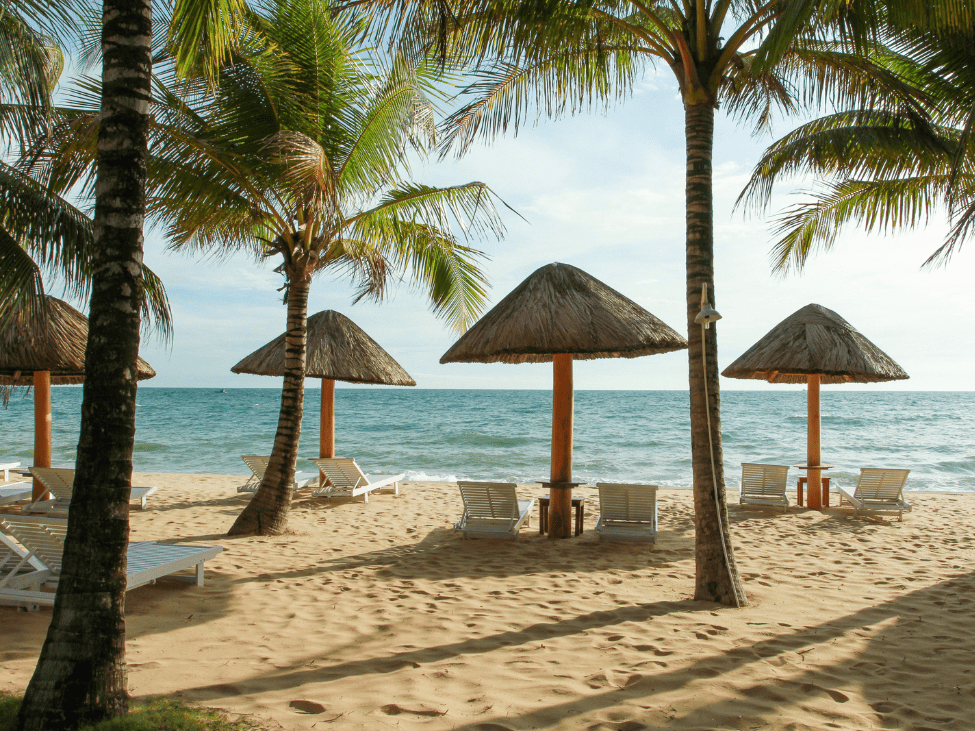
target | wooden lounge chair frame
x=627, y=512
x=258, y=466
x=38, y=566
x=492, y=510
x=764, y=485
x=878, y=491
x=345, y=479
x=5, y=467
x=15, y=492
x=60, y=483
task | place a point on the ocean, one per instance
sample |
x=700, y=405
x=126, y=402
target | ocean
x=620, y=436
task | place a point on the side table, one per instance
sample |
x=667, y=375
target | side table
x=578, y=503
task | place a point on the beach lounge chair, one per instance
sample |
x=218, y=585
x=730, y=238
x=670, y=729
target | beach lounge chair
x=764, y=485
x=15, y=492
x=492, y=510
x=60, y=482
x=878, y=491
x=23, y=578
x=344, y=478
x=258, y=466
x=5, y=467
x=627, y=512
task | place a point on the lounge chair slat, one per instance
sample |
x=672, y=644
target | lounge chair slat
x=344, y=478
x=627, y=512
x=878, y=491
x=43, y=539
x=492, y=509
x=764, y=485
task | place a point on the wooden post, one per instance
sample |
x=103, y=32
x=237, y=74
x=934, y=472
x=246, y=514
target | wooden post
x=560, y=498
x=815, y=483
x=42, y=427
x=326, y=436
x=326, y=447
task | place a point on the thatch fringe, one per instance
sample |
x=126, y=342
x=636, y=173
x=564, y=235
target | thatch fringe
x=59, y=348
x=337, y=349
x=562, y=309
x=811, y=341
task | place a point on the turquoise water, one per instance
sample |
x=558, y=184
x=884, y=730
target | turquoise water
x=634, y=436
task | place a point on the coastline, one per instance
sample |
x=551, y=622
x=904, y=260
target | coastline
x=385, y=617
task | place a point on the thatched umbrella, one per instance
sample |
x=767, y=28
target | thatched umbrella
x=337, y=350
x=561, y=314
x=815, y=345
x=54, y=356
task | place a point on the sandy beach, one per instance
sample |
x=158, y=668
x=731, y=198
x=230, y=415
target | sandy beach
x=375, y=616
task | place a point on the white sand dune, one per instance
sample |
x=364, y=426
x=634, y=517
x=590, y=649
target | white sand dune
x=374, y=616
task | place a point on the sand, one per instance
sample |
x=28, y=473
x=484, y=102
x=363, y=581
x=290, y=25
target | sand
x=375, y=616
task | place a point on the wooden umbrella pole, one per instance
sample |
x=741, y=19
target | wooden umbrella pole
x=560, y=497
x=327, y=434
x=815, y=481
x=42, y=427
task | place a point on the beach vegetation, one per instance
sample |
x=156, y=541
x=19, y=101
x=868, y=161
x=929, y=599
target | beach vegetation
x=299, y=151
x=43, y=236
x=80, y=675
x=297, y=147
x=156, y=714
x=883, y=165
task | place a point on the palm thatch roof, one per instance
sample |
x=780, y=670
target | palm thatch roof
x=811, y=341
x=59, y=348
x=337, y=349
x=561, y=309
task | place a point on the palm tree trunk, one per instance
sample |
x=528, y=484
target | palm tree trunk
x=267, y=512
x=717, y=576
x=80, y=676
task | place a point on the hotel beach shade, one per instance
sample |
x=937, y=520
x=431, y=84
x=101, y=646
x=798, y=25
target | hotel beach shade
x=43, y=357
x=337, y=350
x=814, y=346
x=560, y=314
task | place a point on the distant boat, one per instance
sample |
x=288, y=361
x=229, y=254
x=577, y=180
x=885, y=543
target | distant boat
x=221, y=390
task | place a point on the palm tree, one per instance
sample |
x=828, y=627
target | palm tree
x=300, y=154
x=80, y=676
x=565, y=56
x=884, y=166
x=42, y=235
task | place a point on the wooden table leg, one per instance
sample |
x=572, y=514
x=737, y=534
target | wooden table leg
x=825, y=492
x=799, y=490
x=542, y=517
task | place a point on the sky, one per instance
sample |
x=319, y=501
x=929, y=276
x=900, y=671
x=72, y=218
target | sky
x=604, y=193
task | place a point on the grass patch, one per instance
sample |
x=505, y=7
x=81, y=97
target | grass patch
x=157, y=715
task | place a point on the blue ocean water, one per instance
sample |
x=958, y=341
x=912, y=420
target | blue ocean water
x=626, y=436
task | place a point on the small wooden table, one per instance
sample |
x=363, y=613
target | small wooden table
x=805, y=480
x=578, y=503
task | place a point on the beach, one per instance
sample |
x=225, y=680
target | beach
x=377, y=615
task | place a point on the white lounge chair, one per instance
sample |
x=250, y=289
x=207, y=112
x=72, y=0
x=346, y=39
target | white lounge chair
x=24, y=577
x=60, y=483
x=878, y=491
x=764, y=485
x=627, y=512
x=15, y=492
x=5, y=467
x=258, y=466
x=492, y=510
x=344, y=478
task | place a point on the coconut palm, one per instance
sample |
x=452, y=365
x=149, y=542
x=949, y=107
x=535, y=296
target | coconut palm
x=883, y=166
x=299, y=154
x=42, y=235
x=564, y=56
x=80, y=676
